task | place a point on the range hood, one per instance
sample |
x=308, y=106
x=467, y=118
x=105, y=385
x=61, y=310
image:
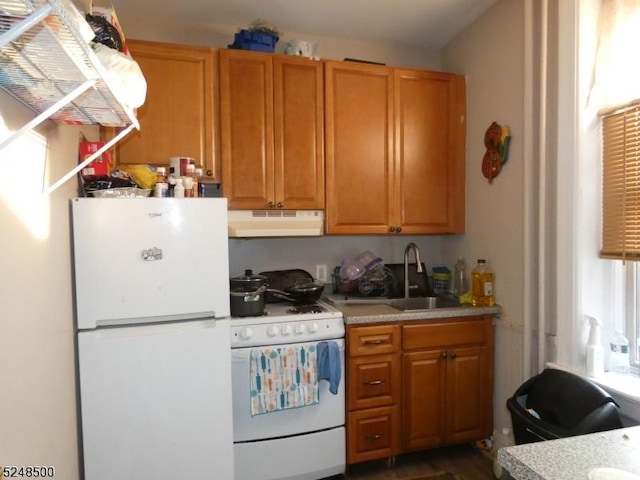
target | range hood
x=275, y=223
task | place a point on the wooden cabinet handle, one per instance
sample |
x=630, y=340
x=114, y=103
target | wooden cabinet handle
x=398, y=229
x=373, y=342
x=270, y=204
x=452, y=355
x=443, y=355
x=392, y=229
x=372, y=438
x=209, y=173
x=374, y=382
x=280, y=205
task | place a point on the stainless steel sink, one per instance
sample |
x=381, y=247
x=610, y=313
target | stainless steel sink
x=424, y=303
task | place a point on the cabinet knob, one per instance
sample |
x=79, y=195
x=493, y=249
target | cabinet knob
x=372, y=438
x=392, y=229
x=209, y=173
x=398, y=229
x=443, y=355
x=270, y=204
x=280, y=205
x=374, y=342
x=452, y=355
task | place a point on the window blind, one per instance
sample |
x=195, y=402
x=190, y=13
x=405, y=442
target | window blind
x=621, y=183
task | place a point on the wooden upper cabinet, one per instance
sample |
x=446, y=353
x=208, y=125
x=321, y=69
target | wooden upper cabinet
x=359, y=143
x=246, y=128
x=271, y=122
x=395, y=150
x=430, y=152
x=177, y=118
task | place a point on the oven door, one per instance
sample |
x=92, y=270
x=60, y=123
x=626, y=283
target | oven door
x=328, y=413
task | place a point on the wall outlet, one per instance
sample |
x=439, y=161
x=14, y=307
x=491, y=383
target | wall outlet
x=321, y=273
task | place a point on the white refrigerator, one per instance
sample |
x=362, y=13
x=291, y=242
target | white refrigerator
x=153, y=340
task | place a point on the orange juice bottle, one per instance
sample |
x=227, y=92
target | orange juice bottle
x=482, y=285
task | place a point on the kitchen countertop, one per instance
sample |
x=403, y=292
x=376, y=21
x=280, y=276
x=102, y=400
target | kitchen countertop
x=574, y=457
x=373, y=310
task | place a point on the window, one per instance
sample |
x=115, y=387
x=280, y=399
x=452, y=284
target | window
x=617, y=83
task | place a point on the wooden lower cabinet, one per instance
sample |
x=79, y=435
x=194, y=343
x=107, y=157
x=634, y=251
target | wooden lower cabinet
x=436, y=389
x=373, y=392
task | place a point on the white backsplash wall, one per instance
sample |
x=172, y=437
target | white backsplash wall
x=262, y=254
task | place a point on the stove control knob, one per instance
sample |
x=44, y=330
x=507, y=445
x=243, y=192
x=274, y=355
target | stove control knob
x=300, y=328
x=246, y=333
x=286, y=330
x=272, y=331
x=313, y=328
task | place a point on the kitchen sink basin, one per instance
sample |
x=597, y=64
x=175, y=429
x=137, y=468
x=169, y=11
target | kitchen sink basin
x=424, y=303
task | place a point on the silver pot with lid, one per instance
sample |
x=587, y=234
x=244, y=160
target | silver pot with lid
x=247, y=294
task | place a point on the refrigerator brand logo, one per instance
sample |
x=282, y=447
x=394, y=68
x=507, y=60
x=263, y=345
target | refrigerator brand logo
x=153, y=253
x=155, y=214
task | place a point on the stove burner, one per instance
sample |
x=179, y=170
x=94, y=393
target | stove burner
x=312, y=308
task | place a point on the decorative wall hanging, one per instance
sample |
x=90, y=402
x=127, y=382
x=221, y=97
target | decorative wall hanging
x=497, y=140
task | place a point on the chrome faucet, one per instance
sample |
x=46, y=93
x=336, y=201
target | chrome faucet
x=416, y=251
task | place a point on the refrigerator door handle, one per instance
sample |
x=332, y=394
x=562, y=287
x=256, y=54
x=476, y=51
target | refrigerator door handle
x=150, y=330
x=114, y=322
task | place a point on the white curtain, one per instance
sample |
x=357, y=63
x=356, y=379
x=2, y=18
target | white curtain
x=617, y=71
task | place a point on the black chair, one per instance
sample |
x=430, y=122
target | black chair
x=557, y=404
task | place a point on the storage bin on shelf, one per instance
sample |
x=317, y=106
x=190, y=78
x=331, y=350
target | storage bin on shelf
x=255, y=40
x=374, y=283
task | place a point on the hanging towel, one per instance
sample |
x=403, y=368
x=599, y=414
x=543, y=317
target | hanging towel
x=329, y=364
x=283, y=377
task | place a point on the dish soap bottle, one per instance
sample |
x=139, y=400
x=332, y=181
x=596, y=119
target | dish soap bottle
x=482, y=285
x=460, y=278
x=595, y=352
x=619, y=355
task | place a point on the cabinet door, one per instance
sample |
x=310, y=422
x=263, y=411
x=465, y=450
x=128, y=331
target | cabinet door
x=469, y=394
x=359, y=143
x=246, y=128
x=299, y=133
x=424, y=375
x=177, y=117
x=430, y=152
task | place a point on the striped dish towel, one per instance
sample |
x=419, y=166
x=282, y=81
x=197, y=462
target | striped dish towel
x=283, y=377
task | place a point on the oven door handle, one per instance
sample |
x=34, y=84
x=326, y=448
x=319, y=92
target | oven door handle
x=239, y=356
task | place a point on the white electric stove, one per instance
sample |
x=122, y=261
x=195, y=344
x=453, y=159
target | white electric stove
x=306, y=443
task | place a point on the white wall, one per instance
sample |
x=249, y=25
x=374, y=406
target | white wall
x=281, y=253
x=38, y=400
x=490, y=53
x=327, y=48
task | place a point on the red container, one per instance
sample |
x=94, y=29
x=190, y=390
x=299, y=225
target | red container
x=100, y=166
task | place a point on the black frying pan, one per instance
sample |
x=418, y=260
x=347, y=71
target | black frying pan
x=301, y=293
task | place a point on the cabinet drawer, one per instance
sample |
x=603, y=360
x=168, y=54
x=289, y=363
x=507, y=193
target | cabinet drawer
x=373, y=339
x=467, y=331
x=373, y=381
x=373, y=433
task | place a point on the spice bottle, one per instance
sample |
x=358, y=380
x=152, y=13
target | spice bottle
x=191, y=185
x=482, y=285
x=178, y=190
x=172, y=181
